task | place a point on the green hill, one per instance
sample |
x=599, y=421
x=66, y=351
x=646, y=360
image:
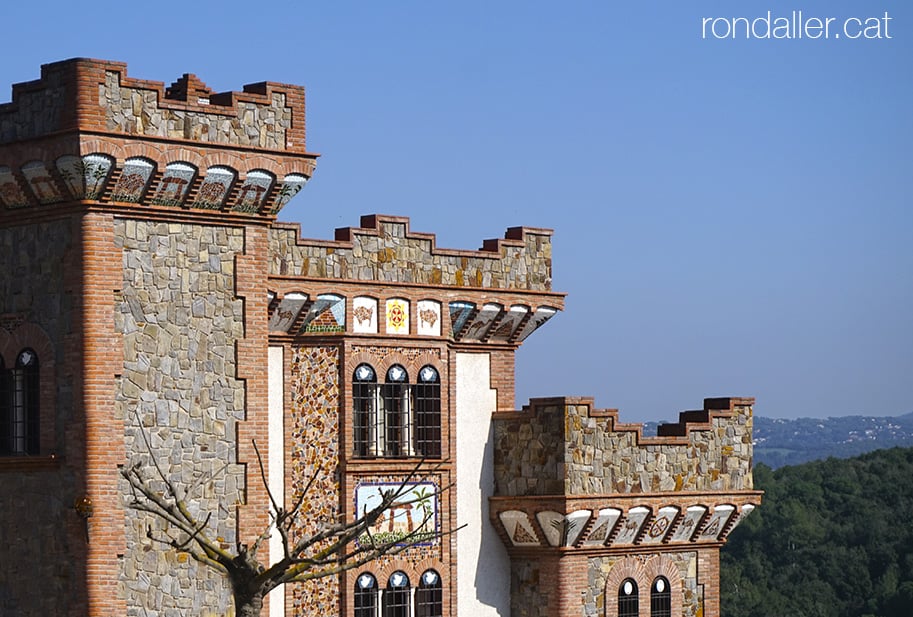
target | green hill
x=833, y=538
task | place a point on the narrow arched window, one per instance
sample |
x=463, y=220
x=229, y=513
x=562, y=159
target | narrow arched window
x=19, y=396
x=660, y=598
x=429, y=597
x=366, y=595
x=397, y=428
x=428, y=413
x=628, y=600
x=396, y=596
x=364, y=400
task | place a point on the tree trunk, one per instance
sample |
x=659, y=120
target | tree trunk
x=248, y=604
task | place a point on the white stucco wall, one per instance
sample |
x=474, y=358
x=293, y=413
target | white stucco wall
x=275, y=463
x=483, y=566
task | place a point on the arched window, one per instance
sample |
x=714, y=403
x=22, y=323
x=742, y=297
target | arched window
x=660, y=598
x=429, y=597
x=396, y=596
x=428, y=413
x=397, y=428
x=366, y=595
x=628, y=600
x=364, y=399
x=19, y=411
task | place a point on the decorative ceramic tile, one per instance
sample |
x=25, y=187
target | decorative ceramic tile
x=397, y=316
x=41, y=183
x=415, y=511
x=575, y=522
x=287, y=312
x=631, y=525
x=509, y=324
x=552, y=524
x=254, y=191
x=364, y=315
x=10, y=193
x=459, y=313
x=429, y=317
x=133, y=180
x=72, y=171
x=327, y=314
x=660, y=525
x=291, y=184
x=687, y=527
x=482, y=322
x=214, y=189
x=174, y=185
x=602, y=528
x=519, y=528
x=745, y=511
x=542, y=314
x=96, y=171
x=717, y=522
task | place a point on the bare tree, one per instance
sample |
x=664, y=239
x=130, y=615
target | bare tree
x=335, y=547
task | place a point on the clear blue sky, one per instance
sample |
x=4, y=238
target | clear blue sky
x=732, y=217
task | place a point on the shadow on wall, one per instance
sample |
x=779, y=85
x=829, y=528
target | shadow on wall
x=492, y=583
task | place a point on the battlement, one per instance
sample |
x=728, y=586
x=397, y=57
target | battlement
x=564, y=446
x=85, y=131
x=384, y=249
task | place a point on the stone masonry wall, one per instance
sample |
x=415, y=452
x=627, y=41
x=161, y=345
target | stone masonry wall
x=598, y=569
x=37, y=518
x=35, y=112
x=387, y=251
x=564, y=447
x=180, y=321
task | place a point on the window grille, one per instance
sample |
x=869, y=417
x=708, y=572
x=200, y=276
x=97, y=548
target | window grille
x=628, y=599
x=19, y=409
x=364, y=399
x=429, y=597
x=660, y=598
x=396, y=596
x=366, y=595
x=428, y=413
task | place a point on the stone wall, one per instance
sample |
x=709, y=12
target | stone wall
x=385, y=250
x=37, y=519
x=178, y=395
x=599, y=568
x=565, y=447
x=36, y=112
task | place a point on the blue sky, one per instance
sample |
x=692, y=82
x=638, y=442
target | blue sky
x=732, y=217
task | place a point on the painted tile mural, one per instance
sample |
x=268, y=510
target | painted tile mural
x=10, y=193
x=96, y=170
x=174, y=184
x=254, y=191
x=327, y=314
x=717, y=522
x=602, y=528
x=291, y=185
x=686, y=528
x=40, y=182
x=519, y=528
x=482, y=322
x=397, y=316
x=287, y=312
x=414, y=512
x=429, y=317
x=459, y=314
x=509, y=323
x=659, y=526
x=631, y=525
x=364, y=315
x=214, y=189
x=133, y=180
x=314, y=446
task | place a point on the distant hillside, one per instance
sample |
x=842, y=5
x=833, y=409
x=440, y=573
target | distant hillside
x=779, y=442
x=831, y=539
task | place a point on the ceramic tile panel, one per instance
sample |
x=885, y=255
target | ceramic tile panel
x=291, y=186
x=96, y=171
x=542, y=314
x=397, y=313
x=327, y=314
x=717, y=522
x=510, y=322
x=175, y=182
x=631, y=525
x=459, y=314
x=519, y=528
x=482, y=322
x=429, y=317
x=660, y=525
x=133, y=180
x=253, y=191
x=364, y=315
x=215, y=187
x=603, y=526
x=287, y=312
x=689, y=523
x=42, y=185
x=10, y=193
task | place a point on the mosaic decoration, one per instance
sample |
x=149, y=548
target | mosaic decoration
x=214, y=189
x=509, y=324
x=287, y=312
x=459, y=313
x=542, y=314
x=254, y=191
x=10, y=193
x=175, y=183
x=518, y=527
x=327, y=314
x=562, y=530
x=631, y=525
x=72, y=172
x=41, y=183
x=414, y=512
x=717, y=522
x=660, y=525
x=745, y=511
x=575, y=522
x=411, y=354
x=397, y=316
x=482, y=322
x=96, y=171
x=314, y=424
x=602, y=528
x=291, y=185
x=364, y=315
x=687, y=527
x=133, y=180
x=429, y=317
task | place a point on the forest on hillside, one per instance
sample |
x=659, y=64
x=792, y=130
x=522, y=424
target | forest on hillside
x=832, y=538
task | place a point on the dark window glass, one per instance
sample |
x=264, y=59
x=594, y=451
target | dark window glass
x=396, y=596
x=396, y=413
x=365, y=596
x=19, y=411
x=428, y=413
x=628, y=601
x=364, y=399
x=429, y=597
x=660, y=598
